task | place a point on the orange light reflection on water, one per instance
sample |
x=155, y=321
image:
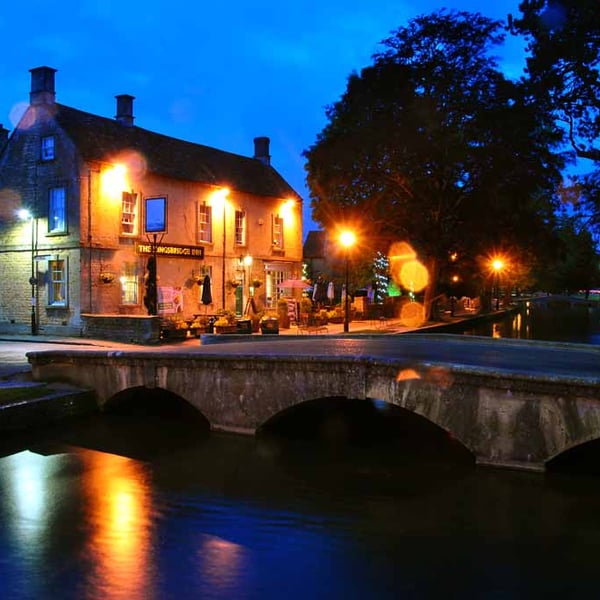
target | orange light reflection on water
x=118, y=499
x=221, y=562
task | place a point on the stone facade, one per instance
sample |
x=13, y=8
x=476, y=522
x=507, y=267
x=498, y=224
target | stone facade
x=228, y=216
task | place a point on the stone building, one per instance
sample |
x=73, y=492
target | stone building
x=100, y=199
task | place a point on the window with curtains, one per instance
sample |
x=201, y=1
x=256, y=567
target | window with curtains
x=205, y=223
x=57, y=210
x=128, y=213
x=129, y=283
x=277, y=232
x=57, y=288
x=240, y=228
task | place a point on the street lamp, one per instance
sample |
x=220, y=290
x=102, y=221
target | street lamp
x=497, y=266
x=26, y=215
x=347, y=240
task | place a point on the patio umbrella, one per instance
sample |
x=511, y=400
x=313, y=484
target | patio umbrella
x=330, y=292
x=293, y=284
x=320, y=291
x=206, y=298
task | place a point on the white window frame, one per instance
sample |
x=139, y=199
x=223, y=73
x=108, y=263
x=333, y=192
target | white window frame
x=205, y=233
x=129, y=281
x=57, y=210
x=277, y=232
x=240, y=228
x=47, y=148
x=57, y=283
x=129, y=213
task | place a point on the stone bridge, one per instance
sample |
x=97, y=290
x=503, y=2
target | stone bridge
x=512, y=404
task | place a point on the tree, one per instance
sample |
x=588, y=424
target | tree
x=564, y=46
x=433, y=146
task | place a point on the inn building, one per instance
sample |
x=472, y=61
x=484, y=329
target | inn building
x=89, y=205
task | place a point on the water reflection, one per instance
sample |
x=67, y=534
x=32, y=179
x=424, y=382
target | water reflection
x=118, y=504
x=575, y=324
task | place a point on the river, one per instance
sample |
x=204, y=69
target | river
x=373, y=506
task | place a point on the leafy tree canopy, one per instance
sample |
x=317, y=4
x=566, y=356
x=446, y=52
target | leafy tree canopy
x=564, y=46
x=433, y=145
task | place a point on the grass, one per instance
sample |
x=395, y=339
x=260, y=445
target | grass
x=8, y=395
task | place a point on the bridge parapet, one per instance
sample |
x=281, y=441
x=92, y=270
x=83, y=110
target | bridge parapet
x=504, y=418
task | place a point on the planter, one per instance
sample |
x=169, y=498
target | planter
x=269, y=325
x=225, y=329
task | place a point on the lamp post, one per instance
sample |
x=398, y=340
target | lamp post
x=347, y=240
x=497, y=265
x=26, y=215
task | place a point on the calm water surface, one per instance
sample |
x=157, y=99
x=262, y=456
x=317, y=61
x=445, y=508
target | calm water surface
x=231, y=517
x=123, y=507
x=577, y=324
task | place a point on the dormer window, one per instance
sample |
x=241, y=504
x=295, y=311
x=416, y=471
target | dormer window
x=47, y=149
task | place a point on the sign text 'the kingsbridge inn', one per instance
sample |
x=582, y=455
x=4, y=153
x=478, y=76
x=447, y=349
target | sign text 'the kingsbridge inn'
x=171, y=250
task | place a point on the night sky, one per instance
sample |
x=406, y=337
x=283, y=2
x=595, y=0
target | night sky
x=217, y=74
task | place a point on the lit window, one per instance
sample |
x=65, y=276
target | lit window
x=205, y=223
x=57, y=290
x=240, y=228
x=57, y=210
x=277, y=232
x=128, y=213
x=48, y=147
x=129, y=283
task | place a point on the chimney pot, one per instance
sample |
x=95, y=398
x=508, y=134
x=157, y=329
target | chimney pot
x=261, y=149
x=42, y=85
x=125, y=109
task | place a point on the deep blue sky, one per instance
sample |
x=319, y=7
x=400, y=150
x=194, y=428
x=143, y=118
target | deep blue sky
x=213, y=73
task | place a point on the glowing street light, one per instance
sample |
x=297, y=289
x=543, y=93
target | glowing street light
x=497, y=266
x=347, y=240
x=25, y=215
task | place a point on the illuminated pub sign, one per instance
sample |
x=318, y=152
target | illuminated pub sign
x=171, y=250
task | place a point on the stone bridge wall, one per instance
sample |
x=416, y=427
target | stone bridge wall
x=516, y=421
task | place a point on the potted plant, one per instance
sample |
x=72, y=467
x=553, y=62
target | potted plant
x=282, y=313
x=226, y=321
x=256, y=283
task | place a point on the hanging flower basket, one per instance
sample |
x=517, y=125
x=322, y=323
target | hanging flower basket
x=256, y=283
x=106, y=277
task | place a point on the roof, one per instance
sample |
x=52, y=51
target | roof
x=314, y=246
x=99, y=138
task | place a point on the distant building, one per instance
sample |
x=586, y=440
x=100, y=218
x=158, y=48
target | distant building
x=315, y=253
x=104, y=197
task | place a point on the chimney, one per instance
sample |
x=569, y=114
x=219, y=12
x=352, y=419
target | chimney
x=125, y=109
x=261, y=150
x=42, y=86
x=3, y=136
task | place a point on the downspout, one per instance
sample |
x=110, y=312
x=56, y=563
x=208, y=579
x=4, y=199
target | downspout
x=89, y=240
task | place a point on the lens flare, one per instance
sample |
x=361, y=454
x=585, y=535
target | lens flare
x=414, y=276
x=412, y=314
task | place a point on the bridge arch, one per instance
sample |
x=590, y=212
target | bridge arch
x=154, y=402
x=339, y=420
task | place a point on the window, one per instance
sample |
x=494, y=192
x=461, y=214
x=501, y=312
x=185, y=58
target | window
x=57, y=210
x=128, y=213
x=129, y=283
x=48, y=148
x=240, y=228
x=57, y=290
x=277, y=232
x=205, y=223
